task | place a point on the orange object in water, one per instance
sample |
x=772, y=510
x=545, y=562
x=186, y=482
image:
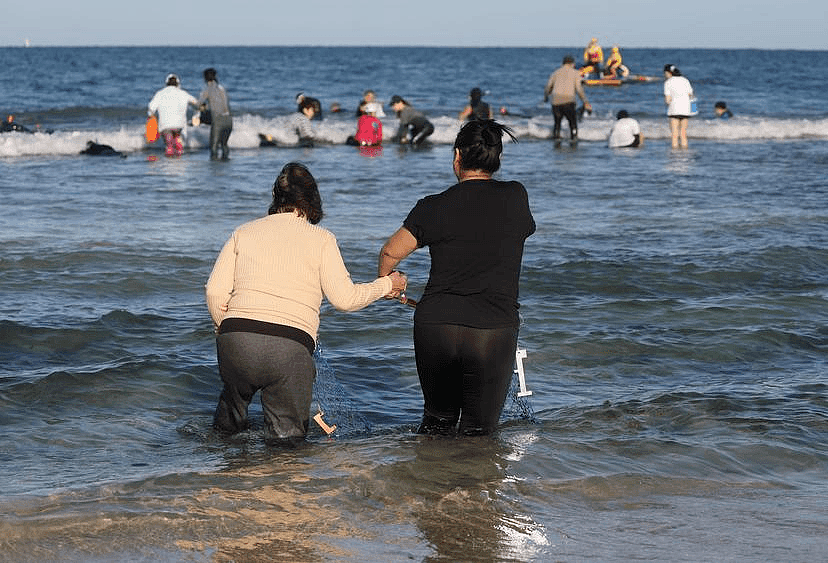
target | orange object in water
x=152, y=129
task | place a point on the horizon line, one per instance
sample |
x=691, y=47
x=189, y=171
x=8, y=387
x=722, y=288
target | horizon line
x=28, y=45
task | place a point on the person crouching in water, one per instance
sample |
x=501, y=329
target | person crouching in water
x=466, y=324
x=171, y=105
x=414, y=127
x=369, y=128
x=301, y=122
x=625, y=132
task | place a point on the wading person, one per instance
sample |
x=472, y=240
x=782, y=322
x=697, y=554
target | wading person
x=264, y=295
x=466, y=323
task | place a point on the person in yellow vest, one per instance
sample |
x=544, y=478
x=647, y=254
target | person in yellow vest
x=615, y=67
x=593, y=57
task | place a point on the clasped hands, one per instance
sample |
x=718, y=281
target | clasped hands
x=399, y=282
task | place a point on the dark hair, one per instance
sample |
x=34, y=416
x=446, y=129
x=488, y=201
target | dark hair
x=480, y=143
x=210, y=74
x=622, y=114
x=296, y=190
x=568, y=59
x=672, y=69
x=720, y=105
x=306, y=103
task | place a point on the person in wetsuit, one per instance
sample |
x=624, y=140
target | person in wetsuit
x=10, y=125
x=214, y=99
x=414, y=127
x=477, y=108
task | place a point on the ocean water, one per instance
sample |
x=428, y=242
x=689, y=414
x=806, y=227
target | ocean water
x=674, y=305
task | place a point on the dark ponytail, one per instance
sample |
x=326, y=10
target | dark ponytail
x=480, y=143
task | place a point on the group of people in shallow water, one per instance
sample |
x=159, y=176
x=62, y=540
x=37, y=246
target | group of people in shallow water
x=171, y=102
x=414, y=127
x=266, y=288
x=566, y=84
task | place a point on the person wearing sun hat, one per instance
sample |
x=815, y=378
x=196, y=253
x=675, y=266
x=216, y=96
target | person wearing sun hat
x=171, y=103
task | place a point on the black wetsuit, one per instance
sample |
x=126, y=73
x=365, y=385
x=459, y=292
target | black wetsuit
x=10, y=126
x=568, y=111
x=415, y=123
x=480, y=110
x=466, y=324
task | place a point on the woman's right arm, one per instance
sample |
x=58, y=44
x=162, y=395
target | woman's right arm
x=396, y=248
x=346, y=295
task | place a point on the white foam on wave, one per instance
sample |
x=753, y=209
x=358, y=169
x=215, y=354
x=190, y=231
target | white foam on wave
x=247, y=127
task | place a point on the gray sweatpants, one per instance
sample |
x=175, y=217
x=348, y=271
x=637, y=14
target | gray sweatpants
x=220, y=131
x=281, y=368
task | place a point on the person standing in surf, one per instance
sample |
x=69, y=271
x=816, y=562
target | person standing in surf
x=677, y=94
x=221, y=122
x=264, y=295
x=171, y=104
x=466, y=324
x=564, y=84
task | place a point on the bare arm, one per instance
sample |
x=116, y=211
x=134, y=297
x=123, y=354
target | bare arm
x=396, y=248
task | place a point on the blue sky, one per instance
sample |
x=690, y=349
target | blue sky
x=795, y=24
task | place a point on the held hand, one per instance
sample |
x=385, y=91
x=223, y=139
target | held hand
x=398, y=284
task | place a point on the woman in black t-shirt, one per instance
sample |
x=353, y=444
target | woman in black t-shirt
x=466, y=323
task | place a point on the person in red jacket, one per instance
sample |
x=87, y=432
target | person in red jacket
x=369, y=128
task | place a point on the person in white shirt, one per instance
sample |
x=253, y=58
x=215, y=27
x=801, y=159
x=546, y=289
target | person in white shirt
x=171, y=105
x=677, y=95
x=626, y=132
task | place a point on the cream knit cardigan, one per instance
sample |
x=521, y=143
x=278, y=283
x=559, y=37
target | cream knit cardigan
x=276, y=269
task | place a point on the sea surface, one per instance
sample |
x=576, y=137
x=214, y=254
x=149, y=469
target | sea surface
x=674, y=306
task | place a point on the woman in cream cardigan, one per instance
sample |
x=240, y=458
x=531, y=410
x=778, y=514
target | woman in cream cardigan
x=264, y=295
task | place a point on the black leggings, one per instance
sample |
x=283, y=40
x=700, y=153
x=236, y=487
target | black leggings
x=465, y=374
x=568, y=111
x=420, y=130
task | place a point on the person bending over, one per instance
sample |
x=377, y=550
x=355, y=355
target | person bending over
x=264, y=295
x=414, y=127
x=563, y=85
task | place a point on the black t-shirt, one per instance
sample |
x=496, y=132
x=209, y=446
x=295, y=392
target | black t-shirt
x=475, y=232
